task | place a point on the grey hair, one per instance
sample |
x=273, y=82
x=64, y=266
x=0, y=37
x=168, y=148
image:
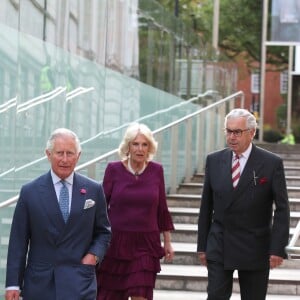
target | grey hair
x=62, y=132
x=131, y=132
x=242, y=113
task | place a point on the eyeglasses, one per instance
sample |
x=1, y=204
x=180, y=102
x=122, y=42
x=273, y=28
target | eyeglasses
x=236, y=132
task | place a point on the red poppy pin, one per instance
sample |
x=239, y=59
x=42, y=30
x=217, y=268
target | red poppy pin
x=263, y=180
x=83, y=191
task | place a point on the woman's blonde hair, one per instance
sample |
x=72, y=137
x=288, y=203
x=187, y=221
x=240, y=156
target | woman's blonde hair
x=131, y=132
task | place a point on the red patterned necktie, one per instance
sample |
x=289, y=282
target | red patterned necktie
x=235, y=170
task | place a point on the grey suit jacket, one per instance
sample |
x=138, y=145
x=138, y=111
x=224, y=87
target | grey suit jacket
x=236, y=226
x=44, y=253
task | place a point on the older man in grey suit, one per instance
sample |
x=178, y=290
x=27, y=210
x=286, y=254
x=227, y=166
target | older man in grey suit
x=236, y=228
x=60, y=230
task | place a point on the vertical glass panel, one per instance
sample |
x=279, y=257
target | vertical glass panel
x=8, y=103
x=8, y=74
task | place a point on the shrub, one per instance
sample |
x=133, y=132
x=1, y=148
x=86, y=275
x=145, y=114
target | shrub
x=272, y=136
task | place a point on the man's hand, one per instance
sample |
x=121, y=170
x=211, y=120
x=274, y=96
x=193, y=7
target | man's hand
x=275, y=261
x=89, y=259
x=12, y=295
x=202, y=258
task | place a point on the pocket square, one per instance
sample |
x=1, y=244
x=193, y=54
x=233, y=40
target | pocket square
x=88, y=203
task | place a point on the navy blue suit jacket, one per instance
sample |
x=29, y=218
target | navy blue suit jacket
x=44, y=253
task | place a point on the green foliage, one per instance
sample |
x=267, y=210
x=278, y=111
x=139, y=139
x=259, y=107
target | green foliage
x=272, y=136
x=281, y=115
x=296, y=129
x=240, y=27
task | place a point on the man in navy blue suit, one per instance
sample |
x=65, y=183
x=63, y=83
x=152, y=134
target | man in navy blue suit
x=49, y=257
x=244, y=215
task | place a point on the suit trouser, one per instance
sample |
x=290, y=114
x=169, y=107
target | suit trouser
x=253, y=284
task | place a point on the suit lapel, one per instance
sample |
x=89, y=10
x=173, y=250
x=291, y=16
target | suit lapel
x=78, y=198
x=225, y=174
x=49, y=201
x=225, y=169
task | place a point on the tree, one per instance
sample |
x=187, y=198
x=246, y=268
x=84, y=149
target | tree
x=240, y=24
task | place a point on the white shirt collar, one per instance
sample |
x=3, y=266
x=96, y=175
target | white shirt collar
x=56, y=179
x=245, y=154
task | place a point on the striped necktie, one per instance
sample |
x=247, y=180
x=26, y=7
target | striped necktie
x=235, y=171
x=64, y=200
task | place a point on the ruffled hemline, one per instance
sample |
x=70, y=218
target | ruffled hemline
x=132, y=260
x=123, y=276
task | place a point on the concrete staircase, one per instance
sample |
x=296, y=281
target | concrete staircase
x=186, y=278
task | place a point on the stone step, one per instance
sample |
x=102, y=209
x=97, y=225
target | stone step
x=281, y=149
x=291, y=175
x=186, y=254
x=186, y=200
x=294, y=192
x=292, y=179
x=193, y=200
x=184, y=295
x=292, y=170
x=188, y=233
x=194, y=278
x=190, y=215
x=291, y=161
x=294, y=204
x=196, y=188
x=190, y=188
x=184, y=214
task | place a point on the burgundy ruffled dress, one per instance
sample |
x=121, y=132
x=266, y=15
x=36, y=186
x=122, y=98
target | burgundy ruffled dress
x=138, y=212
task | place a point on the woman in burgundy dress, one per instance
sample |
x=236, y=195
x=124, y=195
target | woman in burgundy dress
x=137, y=207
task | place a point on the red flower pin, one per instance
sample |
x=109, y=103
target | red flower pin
x=263, y=180
x=83, y=191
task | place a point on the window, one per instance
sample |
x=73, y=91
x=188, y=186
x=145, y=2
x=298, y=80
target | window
x=255, y=83
x=284, y=82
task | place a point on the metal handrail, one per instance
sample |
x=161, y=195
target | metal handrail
x=9, y=201
x=40, y=99
x=7, y=105
x=52, y=95
x=158, y=112
x=172, y=124
x=292, y=248
x=78, y=91
x=34, y=102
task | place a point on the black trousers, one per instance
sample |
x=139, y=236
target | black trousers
x=253, y=284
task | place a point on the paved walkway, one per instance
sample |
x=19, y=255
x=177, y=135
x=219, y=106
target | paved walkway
x=192, y=270
x=183, y=295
